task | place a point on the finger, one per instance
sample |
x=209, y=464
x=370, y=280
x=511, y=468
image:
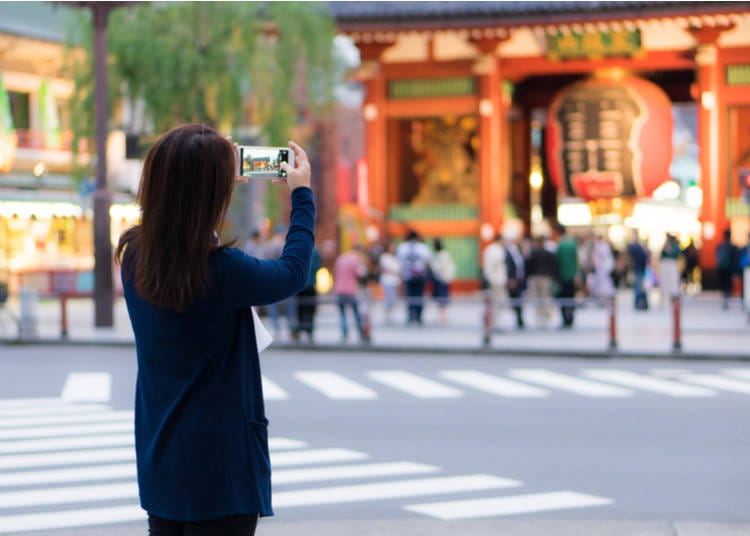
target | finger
x=299, y=152
x=278, y=181
x=240, y=180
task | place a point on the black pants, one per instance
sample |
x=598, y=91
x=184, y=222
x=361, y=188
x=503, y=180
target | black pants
x=567, y=310
x=516, y=297
x=306, y=309
x=415, y=298
x=228, y=526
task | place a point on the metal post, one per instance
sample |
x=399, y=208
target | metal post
x=676, y=323
x=613, y=323
x=63, y=316
x=103, y=287
x=488, y=319
x=27, y=325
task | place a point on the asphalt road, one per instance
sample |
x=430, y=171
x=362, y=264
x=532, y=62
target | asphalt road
x=389, y=438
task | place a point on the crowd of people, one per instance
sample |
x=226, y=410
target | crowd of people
x=541, y=272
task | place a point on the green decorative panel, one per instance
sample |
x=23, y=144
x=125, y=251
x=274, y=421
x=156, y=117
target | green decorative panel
x=465, y=252
x=738, y=75
x=432, y=87
x=737, y=208
x=436, y=212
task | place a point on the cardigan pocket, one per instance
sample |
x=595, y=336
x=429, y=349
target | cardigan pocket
x=258, y=441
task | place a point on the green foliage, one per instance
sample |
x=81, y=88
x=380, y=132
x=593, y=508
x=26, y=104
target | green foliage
x=230, y=64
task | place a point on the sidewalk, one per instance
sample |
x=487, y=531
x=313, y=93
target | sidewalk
x=708, y=331
x=426, y=527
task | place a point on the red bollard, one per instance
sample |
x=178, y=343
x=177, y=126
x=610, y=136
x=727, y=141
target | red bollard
x=613, y=323
x=676, y=323
x=63, y=316
x=488, y=320
x=366, y=334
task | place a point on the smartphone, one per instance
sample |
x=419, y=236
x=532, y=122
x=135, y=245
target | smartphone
x=264, y=162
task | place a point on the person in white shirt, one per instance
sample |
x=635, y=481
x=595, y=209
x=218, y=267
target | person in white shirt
x=390, y=279
x=443, y=272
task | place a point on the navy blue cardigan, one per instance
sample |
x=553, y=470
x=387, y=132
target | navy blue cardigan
x=200, y=427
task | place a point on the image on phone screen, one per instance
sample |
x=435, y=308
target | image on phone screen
x=263, y=162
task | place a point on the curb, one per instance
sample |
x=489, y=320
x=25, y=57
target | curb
x=425, y=350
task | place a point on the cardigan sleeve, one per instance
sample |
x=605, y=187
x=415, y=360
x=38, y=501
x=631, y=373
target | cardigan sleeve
x=241, y=280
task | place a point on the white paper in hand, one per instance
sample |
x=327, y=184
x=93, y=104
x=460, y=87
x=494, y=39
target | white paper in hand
x=262, y=337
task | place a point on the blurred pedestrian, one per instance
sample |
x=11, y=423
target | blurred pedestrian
x=390, y=279
x=727, y=264
x=515, y=268
x=567, y=272
x=201, y=442
x=348, y=271
x=669, y=270
x=745, y=269
x=541, y=272
x=690, y=257
x=272, y=250
x=254, y=245
x=442, y=273
x=495, y=273
x=639, y=261
x=306, y=301
x=600, y=281
x=415, y=259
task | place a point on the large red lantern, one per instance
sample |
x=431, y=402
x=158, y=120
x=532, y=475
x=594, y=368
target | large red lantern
x=609, y=137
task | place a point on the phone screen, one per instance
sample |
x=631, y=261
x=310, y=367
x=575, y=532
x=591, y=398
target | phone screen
x=264, y=162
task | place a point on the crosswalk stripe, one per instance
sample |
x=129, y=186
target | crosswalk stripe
x=569, y=383
x=718, y=382
x=335, y=386
x=503, y=506
x=282, y=443
x=492, y=384
x=68, y=430
x=67, y=495
x=390, y=490
x=740, y=373
x=77, y=474
x=668, y=372
x=40, y=445
x=30, y=402
x=89, y=456
x=272, y=390
x=52, y=410
x=313, y=456
x=638, y=381
x=70, y=518
x=344, y=472
x=414, y=385
x=99, y=416
x=87, y=387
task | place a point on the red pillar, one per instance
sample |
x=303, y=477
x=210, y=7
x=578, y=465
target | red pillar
x=373, y=110
x=492, y=156
x=712, y=138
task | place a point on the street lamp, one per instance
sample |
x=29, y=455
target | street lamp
x=103, y=285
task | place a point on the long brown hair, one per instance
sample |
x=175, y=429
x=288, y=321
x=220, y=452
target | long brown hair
x=187, y=182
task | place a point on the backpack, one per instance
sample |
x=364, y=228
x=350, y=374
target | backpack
x=415, y=266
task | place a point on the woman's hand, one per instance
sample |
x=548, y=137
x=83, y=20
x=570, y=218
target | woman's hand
x=299, y=175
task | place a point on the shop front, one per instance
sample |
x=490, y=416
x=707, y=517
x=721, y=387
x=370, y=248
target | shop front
x=46, y=240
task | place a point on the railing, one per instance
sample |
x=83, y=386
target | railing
x=603, y=326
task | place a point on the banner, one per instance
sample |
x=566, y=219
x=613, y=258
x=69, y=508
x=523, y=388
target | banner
x=8, y=138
